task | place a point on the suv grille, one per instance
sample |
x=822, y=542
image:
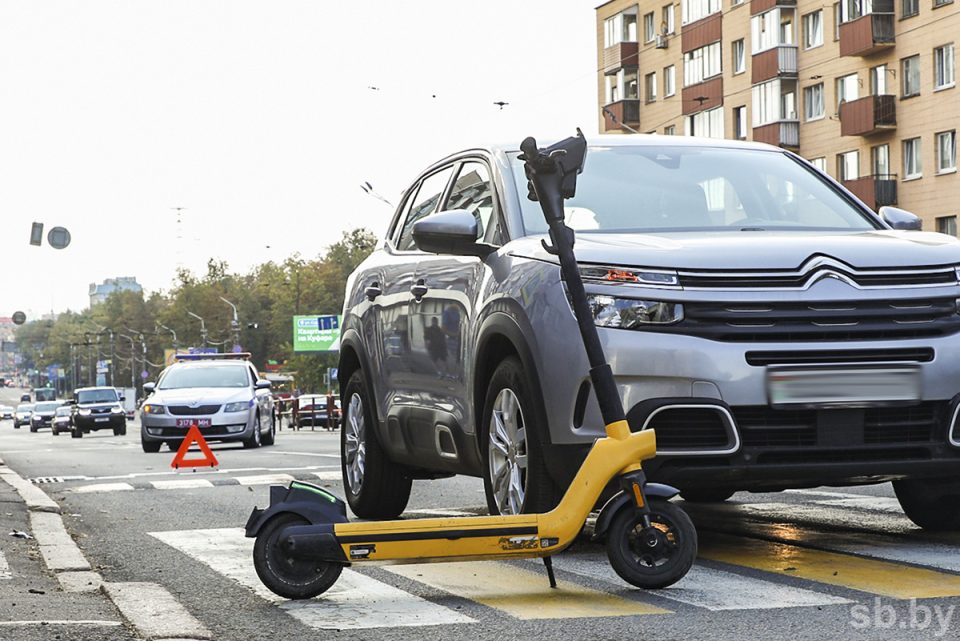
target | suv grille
x=834, y=321
x=807, y=357
x=806, y=275
x=185, y=410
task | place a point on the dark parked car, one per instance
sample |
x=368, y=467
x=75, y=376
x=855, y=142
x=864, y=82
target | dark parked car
x=775, y=331
x=313, y=411
x=43, y=414
x=98, y=408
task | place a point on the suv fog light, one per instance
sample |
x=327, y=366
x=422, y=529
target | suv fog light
x=233, y=429
x=154, y=431
x=629, y=313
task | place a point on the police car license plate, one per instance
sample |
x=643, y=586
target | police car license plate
x=187, y=422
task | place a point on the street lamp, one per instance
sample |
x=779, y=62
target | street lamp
x=234, y=324
x=133, y=361
x=162, y=326
x=203, y=328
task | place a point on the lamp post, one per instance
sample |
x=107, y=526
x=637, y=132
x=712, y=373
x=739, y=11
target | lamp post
x=203, y=328
x=162, y=326
x=234, y=324
x=133, y=362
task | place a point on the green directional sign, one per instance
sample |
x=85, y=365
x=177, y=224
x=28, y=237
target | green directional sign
x=316, y=333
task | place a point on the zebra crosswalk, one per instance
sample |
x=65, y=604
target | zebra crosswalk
x=762, y=571
x=5, y=572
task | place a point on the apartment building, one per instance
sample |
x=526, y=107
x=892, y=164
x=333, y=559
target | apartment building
x=864, y=89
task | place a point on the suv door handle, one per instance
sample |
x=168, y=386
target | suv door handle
x=419, y=290
x=373, y=291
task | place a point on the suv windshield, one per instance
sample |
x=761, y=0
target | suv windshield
x=674, y=188
x=97, y=396
x=46, y=407
x=206, y=376
x=24, y=408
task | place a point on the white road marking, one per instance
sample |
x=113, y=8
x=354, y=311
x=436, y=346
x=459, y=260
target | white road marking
x=5, y=572
x=306, y=454
x=708, y=587
x=264, y=479
x=835, y=494
x=103, y=487
x=39, y=622
x=354, y=602
x=154, y=612
x=185, y=484
x=191, y=472
x=331, y=475
x=872, y=503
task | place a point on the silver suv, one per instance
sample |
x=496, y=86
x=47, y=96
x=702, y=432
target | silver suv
x=775, y=331
x=222, y=394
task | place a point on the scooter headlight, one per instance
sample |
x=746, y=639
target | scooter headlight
x=630, y=313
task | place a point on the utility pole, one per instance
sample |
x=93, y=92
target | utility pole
x=203, y=328
x=175, y=345
x=235, y=323
x=133, y=362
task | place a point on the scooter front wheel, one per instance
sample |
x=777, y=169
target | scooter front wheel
x=656, y=556
x=286, y=575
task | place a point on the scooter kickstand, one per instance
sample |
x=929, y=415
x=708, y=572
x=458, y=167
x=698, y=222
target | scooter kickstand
x=548, y=562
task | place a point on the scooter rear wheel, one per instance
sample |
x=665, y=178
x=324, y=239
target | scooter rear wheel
x=285, y=575
x=654, y=557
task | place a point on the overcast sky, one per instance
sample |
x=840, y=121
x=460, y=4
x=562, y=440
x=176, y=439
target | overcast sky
x=257, y=118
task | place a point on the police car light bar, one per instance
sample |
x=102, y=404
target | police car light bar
x=206, y=357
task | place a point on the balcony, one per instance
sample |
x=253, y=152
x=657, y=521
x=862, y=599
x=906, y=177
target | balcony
x=868, y=115
x=761, y=6
x=783, y=133
x=876, y=191
x=867, y=34
x=694, y=35
x=625, y=112
x=779, y=62
x=624, y=54
x=703, y=95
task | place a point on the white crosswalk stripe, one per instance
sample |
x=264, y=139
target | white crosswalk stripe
x=355, y=602
x=5, y=572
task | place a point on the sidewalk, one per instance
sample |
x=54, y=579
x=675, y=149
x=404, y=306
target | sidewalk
x=47, y=591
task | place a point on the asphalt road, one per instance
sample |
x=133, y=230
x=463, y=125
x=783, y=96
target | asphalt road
x=813, y=564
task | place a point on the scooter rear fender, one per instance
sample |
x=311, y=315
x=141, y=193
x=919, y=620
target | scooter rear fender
x=622, y=499
x=313, y=503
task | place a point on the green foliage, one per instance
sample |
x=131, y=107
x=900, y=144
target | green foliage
x=269, y=295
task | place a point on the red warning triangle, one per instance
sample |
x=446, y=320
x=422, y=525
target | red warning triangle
x=194, y=436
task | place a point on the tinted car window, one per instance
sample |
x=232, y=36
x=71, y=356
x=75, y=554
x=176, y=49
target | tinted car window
x=97, y=396
x=473, y=191
x=647, y=188
x=422, y=204
x=225, y=376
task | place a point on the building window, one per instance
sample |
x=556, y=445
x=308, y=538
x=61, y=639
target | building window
x=947, y=225
x=813, y=102
x=694, y=10
x=700, y=64
x=878, y=80
x=820, y=163
x=848, y=166
x=670, y=130
x=836, y=21
x=650, y=86
x=666, y=19
x=946, y=151
x=943, y=67
x=848, y=89
x=624, y=85
x=853, y=9
x=708, y=124
x=771, y=104
x=765, y=31
x=909, y=8
x=813, y=29
x=649, y=30
x=620, y=28
x=669, y=81
x=739, y=57
x=910, y=72
x=940, y=3
x=912, y=166
x=880, y=160
x=740, y=123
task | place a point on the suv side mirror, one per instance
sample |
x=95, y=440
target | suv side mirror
x=900, y=218
x=147, y=388
x=263, y=383
x=450, y=232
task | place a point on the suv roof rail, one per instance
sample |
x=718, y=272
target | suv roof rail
x=213, y=357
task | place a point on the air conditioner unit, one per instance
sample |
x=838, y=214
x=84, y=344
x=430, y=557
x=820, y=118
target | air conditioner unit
x=662, y=42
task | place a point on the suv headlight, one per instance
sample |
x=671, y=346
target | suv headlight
x=240, y=406
x=116, y=410
x=83, y=412
x=151, y=408
x=630, y=313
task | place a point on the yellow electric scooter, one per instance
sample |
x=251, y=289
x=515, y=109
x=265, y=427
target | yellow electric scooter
x=304, y=540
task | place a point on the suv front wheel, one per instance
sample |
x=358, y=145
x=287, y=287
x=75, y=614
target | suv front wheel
x=933, y=504
x=376, y=487
x=515, y=477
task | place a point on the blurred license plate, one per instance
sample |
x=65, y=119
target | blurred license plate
x=187, y=422
x=101, y=419
x=849, y=387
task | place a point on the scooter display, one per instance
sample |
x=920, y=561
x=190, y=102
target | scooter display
x=304, y=539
